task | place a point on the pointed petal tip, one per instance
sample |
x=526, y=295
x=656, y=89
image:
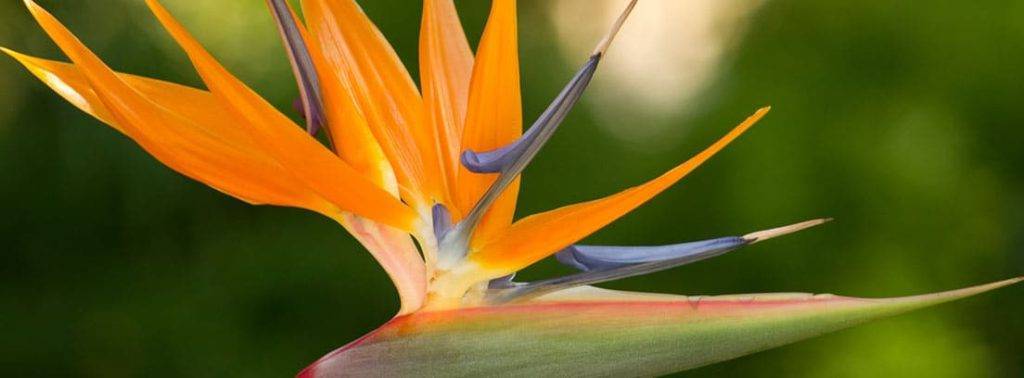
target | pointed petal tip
x=760, y=236
x=952, y=295
x=1007, y=282
x=33, y=7
x=156, y=7
x=14, y=54
x=602, y=47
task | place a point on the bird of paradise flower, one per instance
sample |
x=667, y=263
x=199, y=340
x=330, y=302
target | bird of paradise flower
x=427, y=179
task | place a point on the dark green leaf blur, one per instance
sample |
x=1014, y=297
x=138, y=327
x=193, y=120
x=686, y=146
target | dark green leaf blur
x=901, y=120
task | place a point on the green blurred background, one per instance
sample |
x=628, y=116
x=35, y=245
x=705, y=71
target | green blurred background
x=902, y=121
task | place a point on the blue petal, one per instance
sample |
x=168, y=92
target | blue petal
x=611, y=272
x=442, y=221
x=512, y=159
x=592, y=257
x=490, y=162
x=302, y=65
x=607, y=263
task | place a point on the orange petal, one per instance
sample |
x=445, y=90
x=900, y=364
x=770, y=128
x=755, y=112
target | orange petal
x=193, y=142
x=393, y=249
x=186, y=129
x=538, y=236
x=70, y=84
x=354, y=143
x=383, y=90
x=494, y=117
x=197, y=106
x=446, y=67
x=309, y=161
x=346, y=126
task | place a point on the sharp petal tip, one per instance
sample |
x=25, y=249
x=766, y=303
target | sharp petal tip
x=973, y=290
x=33, y=7
x=36, y=10
x=17, y=56
x=155, y=6
x=992, y=286
x=761, y=236
x=12, y=53
x=602, y=47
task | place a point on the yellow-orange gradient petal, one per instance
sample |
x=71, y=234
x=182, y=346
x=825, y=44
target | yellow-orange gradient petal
x=350, y=135
x=384, y=91
x=446, y=67
x=188, y=131
x=346, y=127
x=193, y=142
x=306, y=158
x=393, y=249
x=494, y=117
x=538, y=236
x=197, y=106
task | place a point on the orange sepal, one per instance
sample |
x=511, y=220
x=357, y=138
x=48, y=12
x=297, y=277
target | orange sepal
x=346, y=126
x=190, y=138
x=385, y=93
x=302, y=155
x=494, y=117
x=446, y=67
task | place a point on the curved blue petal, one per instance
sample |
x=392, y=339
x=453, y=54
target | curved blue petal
x=608, y=263
x=593, y=257
x=489, y=162
x=510, y=160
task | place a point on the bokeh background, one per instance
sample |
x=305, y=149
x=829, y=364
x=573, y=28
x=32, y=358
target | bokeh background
x=902, y=121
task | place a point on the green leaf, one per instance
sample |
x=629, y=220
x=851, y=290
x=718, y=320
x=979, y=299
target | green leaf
x=595, y=332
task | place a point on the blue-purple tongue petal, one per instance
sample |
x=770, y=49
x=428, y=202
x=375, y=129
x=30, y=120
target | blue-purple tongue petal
x=300, y=107
x=493, y=161
x=513, y=158
x=311, y=100
x=510, y=161
x=442, y=221
x=602, y=264
x=592, y=257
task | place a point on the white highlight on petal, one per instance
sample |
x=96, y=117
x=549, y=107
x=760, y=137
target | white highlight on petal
x=67, y=91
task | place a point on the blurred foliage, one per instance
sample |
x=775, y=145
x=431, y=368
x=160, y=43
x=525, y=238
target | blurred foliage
x=902, y=121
